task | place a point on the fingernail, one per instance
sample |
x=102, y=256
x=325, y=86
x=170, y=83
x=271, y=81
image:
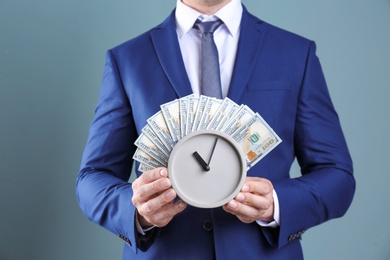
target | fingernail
x=166, y=183
x=182, y=204
x=163, y=173
x=232, y=204
x=171, y=194
x=240, y=197
x=245, y=188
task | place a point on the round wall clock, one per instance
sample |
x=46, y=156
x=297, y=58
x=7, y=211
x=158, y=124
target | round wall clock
x=207, y=168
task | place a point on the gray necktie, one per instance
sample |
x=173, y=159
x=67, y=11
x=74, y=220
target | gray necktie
x=210, y=75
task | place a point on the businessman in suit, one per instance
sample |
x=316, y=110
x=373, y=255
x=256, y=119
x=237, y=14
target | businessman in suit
x=274, y=72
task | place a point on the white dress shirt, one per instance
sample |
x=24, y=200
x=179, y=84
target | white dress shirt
x=225, y=37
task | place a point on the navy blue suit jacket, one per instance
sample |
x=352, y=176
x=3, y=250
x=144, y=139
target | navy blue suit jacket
x=276, y=74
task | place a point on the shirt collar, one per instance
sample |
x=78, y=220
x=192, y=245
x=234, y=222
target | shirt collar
x=230, y=14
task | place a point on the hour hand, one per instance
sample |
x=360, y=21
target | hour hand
x=200, y=160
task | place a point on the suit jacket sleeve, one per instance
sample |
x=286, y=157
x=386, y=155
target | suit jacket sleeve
x=327, y=186
x=102, y=189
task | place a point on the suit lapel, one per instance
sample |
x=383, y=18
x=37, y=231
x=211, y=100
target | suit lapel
x=167, y=47
x=251, y=37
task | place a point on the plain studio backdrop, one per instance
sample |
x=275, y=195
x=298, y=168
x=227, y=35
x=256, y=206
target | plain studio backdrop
x=52, y=55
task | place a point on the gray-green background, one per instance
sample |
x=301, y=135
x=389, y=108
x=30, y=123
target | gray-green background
x=51, y=60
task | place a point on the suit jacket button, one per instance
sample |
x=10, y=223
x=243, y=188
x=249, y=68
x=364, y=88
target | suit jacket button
x=207, y=225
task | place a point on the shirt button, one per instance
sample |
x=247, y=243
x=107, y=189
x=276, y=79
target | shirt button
x=207, y=225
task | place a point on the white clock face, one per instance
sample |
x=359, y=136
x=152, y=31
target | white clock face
x=207, y=169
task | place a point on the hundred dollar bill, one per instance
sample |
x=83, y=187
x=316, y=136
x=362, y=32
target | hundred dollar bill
x=256, y=139
x=183, y=103
x=171, y=113
x=209, y=111
x=238, y=120
x=143, y=167
x=148, y=131
x=223, y=114
x=145, y=144
x=191, y=113
x=157, y=123
x=228, y=116
x=199, y=112
x=146, y=159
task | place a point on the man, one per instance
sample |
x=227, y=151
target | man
x=275, y=73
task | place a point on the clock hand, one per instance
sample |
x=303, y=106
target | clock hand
x=212, y=151
x=200, y=160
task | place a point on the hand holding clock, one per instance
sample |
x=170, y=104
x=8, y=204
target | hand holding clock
x=254, y=202
x=153, y=197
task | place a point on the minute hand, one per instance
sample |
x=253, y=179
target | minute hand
x=212, y=151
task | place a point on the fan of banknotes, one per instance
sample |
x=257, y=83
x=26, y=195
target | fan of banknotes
x=180, y=117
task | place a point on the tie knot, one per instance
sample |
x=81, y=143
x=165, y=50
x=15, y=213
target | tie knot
x=207, y=27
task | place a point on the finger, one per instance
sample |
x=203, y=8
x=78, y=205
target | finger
x=259, y=202
x=165, y=214
x=240, y=209
x=257, y=185
x=251, y=206
x=150, y=176
x=150, y=190
x=156, y=203
x=236, y=209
